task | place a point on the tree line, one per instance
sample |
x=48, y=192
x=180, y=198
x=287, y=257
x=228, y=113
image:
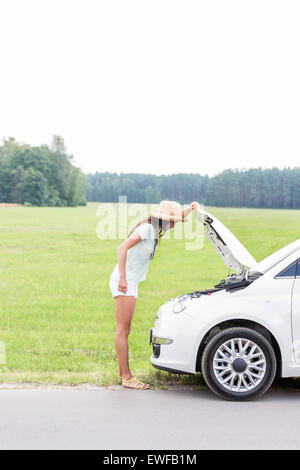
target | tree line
x=40, y=176
x=256, y=187
x=46, y=176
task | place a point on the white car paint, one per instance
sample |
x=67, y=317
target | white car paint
x=270, y=301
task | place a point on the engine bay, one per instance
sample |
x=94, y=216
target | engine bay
x=232, y=283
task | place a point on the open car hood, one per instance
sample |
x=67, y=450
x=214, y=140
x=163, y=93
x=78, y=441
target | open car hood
x=230, y=249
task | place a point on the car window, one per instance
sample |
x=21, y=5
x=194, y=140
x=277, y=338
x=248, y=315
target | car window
x=298, y=269
x=290, y=271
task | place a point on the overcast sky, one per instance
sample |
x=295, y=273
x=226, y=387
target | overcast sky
x=156, y=86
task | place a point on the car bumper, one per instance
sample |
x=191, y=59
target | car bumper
x=175, y=341
x=157, y=342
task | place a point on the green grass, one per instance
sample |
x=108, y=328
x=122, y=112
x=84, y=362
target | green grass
x=56, y=310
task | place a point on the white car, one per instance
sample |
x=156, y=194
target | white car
x=241, y=333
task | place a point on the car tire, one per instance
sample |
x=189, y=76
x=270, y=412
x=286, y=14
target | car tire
x=229, y=364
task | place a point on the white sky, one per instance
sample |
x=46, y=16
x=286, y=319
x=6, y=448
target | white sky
x=156, y=86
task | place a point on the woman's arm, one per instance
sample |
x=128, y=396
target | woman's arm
x=190, y=208
x=134, y=239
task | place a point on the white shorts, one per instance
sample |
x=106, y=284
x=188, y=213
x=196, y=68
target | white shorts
x=132, y=288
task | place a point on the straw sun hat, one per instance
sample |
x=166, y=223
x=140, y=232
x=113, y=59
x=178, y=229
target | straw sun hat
x=169, y=210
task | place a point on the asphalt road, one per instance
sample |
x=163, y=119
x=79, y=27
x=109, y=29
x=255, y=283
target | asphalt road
x=152, y=419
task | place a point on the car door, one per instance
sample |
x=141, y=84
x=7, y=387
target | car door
x=296, y=314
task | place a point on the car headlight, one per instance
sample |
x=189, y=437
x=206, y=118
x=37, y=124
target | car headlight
x=180, y=304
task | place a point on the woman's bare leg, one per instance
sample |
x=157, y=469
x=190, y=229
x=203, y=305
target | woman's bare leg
x=125, y=307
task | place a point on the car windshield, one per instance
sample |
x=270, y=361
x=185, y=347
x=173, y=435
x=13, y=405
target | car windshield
x=278, y=256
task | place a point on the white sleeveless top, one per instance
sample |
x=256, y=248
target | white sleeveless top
x=138, y=257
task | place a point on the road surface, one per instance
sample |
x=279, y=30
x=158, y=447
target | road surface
x=153, y=419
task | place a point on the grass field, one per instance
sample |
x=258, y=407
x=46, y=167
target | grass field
x=56, y=310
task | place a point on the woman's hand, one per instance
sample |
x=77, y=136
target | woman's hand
x=195, y=205
x=190, y=208
x=122, y=285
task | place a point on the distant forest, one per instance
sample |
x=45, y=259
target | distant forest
x=46, y=176
x=40, y=176
x=269, y=188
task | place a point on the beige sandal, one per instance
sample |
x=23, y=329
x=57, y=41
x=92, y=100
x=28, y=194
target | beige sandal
x=137, y=386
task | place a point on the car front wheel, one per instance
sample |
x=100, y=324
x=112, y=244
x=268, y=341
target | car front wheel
x=238, y=364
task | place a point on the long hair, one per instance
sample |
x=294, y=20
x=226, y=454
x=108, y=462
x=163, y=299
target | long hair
x=159, y=226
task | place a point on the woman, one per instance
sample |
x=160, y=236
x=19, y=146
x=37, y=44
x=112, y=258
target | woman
x=134, y=255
